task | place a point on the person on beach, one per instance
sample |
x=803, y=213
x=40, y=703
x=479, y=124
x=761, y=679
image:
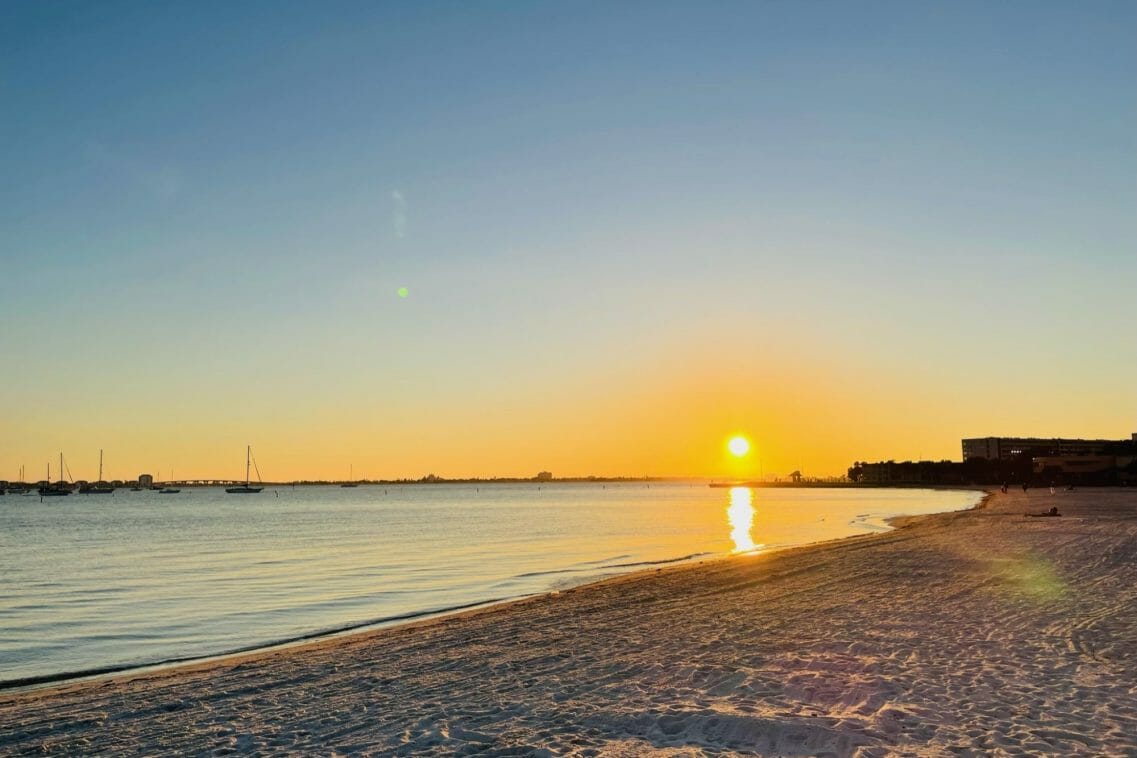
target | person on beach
x=1024, y=486
x=1004, y=488
x=1052, y=512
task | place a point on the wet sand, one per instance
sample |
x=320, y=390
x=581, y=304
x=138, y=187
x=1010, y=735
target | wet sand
x=976, y=632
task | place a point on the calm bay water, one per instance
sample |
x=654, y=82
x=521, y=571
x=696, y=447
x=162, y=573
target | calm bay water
x=91, y=582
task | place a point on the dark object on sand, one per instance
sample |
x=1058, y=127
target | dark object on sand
x=1052, y=512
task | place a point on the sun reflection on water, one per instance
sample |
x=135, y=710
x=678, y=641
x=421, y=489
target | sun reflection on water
x=740, y=514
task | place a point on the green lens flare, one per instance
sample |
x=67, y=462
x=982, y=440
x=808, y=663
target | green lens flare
x=403, y=292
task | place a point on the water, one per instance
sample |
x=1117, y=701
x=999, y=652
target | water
x=95, y=582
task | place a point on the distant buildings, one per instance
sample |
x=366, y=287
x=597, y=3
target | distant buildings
x=996, y=460
x=1077, y=464
x=1009, y=448
x=544, y=476
x=145, y=481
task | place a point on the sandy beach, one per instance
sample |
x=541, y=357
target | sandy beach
x=977, y=632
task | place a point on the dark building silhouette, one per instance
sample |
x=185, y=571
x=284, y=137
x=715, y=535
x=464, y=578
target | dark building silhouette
x=1008, y=448
x=999, y=460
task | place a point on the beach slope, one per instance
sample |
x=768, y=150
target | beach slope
x=982, y=631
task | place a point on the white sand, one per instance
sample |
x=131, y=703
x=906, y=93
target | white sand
x=972, y=633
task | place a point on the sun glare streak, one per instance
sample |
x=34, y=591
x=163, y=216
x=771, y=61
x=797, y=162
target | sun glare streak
x=740, y=515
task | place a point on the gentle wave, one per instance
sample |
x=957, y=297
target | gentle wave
x=593, y=568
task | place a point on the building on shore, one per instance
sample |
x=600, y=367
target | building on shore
x=146, y=481
x=1010, y=448
x=1119, y=469
x=1000, y=460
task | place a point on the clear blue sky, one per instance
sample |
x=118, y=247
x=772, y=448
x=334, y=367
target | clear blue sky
x=920, y=215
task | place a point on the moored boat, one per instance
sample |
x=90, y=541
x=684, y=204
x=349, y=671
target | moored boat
x=60, y=488
x=19, y=487
x=246, y=489
x=100, y=487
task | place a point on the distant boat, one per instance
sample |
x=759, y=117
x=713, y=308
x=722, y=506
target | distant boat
x=246, y=490
x=167, y=490
x=350, y=478
x=19, y=488
x=100, y=487
x=60, y=488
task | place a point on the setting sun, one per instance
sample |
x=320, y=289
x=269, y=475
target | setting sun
x=739, y=446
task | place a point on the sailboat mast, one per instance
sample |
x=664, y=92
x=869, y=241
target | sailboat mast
x=61, y=467
x=100, y=465
x=248, y=456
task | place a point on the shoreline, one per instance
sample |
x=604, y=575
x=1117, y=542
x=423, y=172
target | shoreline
x=48, y=681
x=976, y=630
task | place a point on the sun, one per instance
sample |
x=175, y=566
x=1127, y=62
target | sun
x=738, y=446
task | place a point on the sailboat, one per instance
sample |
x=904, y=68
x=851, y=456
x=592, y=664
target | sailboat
x=100, y=487
x=246, y=489
x=19, y=488
x=350, y=478
x=60, y=488
x=168, y=490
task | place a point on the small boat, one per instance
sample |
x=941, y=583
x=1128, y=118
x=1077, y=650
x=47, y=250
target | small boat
x=19, y=488
x=350, y=478
x=60, y=488
x=246, y=489
x=168, y=490
x=100, y=487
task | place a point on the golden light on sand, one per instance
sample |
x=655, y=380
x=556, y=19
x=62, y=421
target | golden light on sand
x=740, y=515
x=738, y=446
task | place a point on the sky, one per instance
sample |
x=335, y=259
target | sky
x=490, y=239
